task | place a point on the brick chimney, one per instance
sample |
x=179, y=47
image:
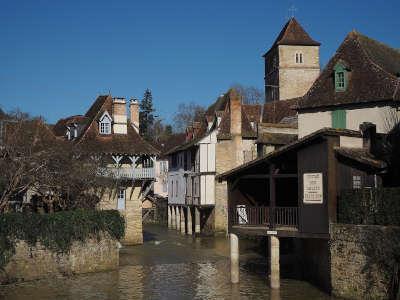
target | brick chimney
x=368, y=132
x=235, y=110
x=196, y=128
x=134, y=113
x=119, y=115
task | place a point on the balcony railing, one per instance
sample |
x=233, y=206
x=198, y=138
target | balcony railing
x=129, y=173
x=244, y=215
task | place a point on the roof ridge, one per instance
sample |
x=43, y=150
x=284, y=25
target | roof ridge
x=357, y=36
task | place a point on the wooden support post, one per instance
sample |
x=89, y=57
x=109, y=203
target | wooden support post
x=189, y=221
x=272, y=197
x=197, y=228
x=273, y=242
x=183, y=220
x=169, y=217
x=234, y=242
x=178, y=218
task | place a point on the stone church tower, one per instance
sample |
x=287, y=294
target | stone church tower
x=292, y=63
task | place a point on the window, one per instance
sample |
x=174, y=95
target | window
x=105, y=127
x=105, y=124
x=176, y=188
x=121, y=199
x=339, y=119
x=341, y=77
x=340, y=80
x=299, y=58
x=356, y=182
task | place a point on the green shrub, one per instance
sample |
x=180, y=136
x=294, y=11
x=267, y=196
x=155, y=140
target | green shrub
x=370, y=206
x=56, y=231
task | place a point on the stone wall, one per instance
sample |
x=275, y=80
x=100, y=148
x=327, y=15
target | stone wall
x=132, y=213
x=296, y=79
x=31, y=263
x=363, y=260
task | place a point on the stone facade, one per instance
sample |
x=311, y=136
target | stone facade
x=31, y=263
x=284, y=77
x=132, y=213
x=295, y=79
x=224, y=162
x=363, y=261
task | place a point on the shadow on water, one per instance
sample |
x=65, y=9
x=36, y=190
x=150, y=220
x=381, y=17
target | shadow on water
x=170, y=266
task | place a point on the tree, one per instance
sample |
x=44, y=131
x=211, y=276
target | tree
x=186, y=114
x=54, y=174
x=249, y=94
x=146, y=116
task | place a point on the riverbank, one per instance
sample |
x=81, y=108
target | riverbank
x=169, y=266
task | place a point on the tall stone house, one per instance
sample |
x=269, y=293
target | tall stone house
x=106, y=129
x=291, y=64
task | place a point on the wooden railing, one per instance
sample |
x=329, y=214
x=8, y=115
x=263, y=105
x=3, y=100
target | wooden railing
x=244, y=215
x=128, y=173
x=286, y=216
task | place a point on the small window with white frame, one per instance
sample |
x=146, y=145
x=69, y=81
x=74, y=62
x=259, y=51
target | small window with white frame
x=357, y=183
x=105, y=124
x=299, y=57
x=121, y=199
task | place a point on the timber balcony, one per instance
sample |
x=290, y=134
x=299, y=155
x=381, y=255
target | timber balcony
x=129, y=173
x=285, y=218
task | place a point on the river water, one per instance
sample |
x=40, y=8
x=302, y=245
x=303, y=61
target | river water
x=170, y=266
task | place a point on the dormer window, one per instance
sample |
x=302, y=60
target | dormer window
x=72, y=132
x=341, y=77
x=299, y=58
x=105, y=124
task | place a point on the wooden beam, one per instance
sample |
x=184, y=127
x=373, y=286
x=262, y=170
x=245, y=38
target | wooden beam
x=117, y=158
x=272, y=196
x=267, y=176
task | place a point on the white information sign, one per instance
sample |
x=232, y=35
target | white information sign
x=312, y=188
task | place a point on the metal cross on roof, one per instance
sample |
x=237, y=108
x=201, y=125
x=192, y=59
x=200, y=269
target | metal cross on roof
x=292, y=11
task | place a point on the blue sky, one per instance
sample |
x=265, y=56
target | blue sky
x=57, y=56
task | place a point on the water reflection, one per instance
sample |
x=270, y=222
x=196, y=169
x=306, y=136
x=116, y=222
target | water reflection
x=169, y=266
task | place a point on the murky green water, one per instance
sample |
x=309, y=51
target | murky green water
x=169, y=266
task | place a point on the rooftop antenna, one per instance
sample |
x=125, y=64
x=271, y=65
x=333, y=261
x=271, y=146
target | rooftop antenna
x=292, y=11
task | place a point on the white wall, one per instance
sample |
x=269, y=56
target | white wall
x=176, y=188
x=207, y=186
x=310, y=122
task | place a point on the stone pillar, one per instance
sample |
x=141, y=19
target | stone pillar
x=173, y=219
x=178, y=218
x=169, y=217
x=189, y=221
x=234, y=258
x=273, y=242
x=183, y=221
x=196, y=220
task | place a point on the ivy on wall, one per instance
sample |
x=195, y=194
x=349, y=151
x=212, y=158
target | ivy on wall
x=370, y=206
x=57, y=231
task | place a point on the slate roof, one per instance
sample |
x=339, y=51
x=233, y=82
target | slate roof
x=293, y=34
x=276, y=111
x=90, y=139
x=276, y=138
x=373, y=70
x=59, y=128
x=361, y=156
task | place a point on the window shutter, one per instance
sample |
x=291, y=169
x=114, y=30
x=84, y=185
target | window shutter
x=339, y=119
